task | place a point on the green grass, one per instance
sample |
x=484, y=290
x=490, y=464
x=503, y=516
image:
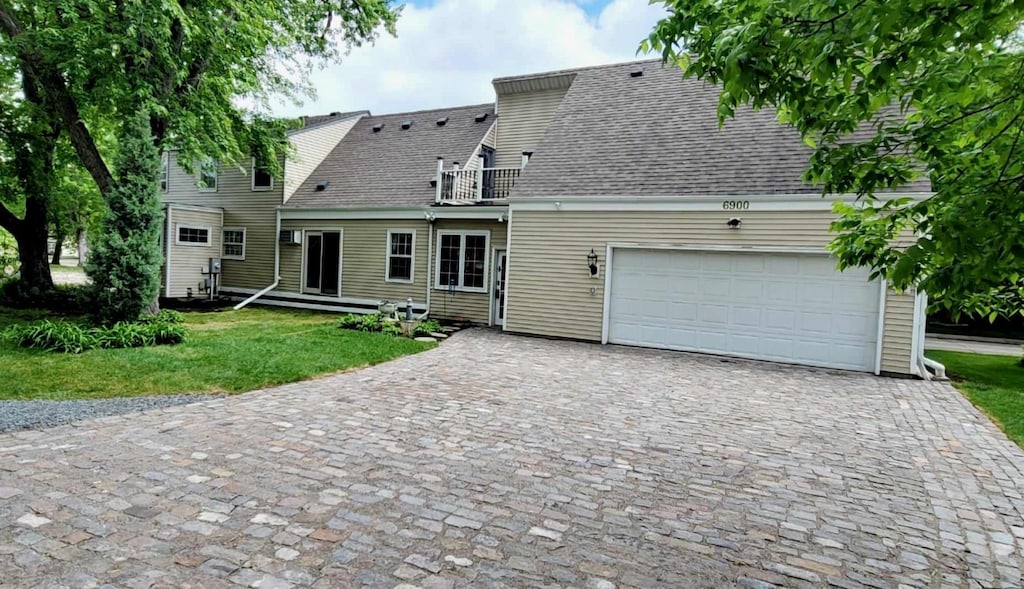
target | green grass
x=995, y=384
x=227, y=352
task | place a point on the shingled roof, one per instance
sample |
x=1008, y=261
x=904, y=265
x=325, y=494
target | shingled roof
x=394, y=166
x=617, y=133
x=317, y=120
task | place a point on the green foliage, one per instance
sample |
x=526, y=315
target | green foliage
x=392, y=329
x=374, y=323
x=425, y=328
x=886, y=92
x=74, y=338
x=8, y=255
x=126, y=259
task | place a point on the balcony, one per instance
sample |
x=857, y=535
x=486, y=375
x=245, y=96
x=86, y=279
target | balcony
x=455, y=186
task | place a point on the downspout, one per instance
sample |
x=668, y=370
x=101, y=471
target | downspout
x=430, y=259
x=923, y=363
x=277, y=264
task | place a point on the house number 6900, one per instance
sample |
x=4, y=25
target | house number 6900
x=735, y=205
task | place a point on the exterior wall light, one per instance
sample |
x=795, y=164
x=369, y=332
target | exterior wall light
x=734, y=223
x=592, y=262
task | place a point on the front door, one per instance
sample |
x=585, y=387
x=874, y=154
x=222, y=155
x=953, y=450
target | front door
x=323, y=262
x=500, y=272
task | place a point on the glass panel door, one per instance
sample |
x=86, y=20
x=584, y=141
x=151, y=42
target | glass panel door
x=314, y=259
x=331, y=265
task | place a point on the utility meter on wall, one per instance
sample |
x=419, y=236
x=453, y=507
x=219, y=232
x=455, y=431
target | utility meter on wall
x=214, y=266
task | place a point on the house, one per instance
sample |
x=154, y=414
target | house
x=600, y=204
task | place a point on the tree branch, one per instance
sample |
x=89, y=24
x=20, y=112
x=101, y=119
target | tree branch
x=59, y=100
x=9, y=221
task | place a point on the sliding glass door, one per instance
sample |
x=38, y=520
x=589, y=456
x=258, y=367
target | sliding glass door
x=323, y=263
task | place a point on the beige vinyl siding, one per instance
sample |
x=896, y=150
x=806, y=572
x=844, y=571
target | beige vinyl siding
x=243, y=207
x=473, y=162
x=549, y=287
x=467, y=306
x=364, y=259
x=899, y=332
x=310, y=147
x=188, y=261
x=522, y=120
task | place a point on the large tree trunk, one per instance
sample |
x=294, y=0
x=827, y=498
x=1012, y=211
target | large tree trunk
x=83, y=247
x=58, y=249
x=31, y=233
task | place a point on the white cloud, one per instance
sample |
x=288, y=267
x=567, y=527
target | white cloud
x=448, y=53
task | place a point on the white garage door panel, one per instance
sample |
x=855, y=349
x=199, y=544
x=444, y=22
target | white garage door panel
x=781, y=307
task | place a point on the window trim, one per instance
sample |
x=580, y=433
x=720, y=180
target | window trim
x=224, y=242
x=463, y=233
x=412, y=257
x=216, y=176
x=252, y=181
x=165, y=171
x=177, y=235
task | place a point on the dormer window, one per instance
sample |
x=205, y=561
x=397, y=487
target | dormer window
x=261, y=178
x=208, y=176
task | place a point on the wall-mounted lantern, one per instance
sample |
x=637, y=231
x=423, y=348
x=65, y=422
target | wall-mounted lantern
x=734, y=223
x=592, y=262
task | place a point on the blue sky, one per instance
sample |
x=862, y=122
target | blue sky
x=446, y=52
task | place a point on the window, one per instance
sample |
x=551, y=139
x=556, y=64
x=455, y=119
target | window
x=208, y=176
x=261, y=178
x=165, y=167
x=462, y=260
x=193, y=235
x=401, y=245
x=233, y=243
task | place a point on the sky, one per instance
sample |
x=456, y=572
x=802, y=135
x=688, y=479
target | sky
x=446, y=52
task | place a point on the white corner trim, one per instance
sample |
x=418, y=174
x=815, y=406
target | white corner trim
x=609, y=254
x=168, y=228
x=883, y=294
x=412, y=258
x=508, y=267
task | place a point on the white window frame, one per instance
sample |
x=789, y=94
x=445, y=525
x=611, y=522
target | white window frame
x=165, y=171
x=412, y=257
x=462, y=260
x=177, y=235
x=252, y=182
x=216, y=176
x=224, y=242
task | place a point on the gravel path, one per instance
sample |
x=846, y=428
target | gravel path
x=16, y=415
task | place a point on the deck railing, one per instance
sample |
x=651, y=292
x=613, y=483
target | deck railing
x=475, y=185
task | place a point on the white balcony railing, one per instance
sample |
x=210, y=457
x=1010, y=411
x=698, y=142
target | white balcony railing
x=475, y=185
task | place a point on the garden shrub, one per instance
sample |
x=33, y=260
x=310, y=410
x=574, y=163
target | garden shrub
x=427, y=327
x=74, y=338
x=378, y=324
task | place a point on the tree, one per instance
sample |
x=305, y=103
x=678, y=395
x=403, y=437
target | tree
x=188, y=63
x=887, y=91
x=126, y=258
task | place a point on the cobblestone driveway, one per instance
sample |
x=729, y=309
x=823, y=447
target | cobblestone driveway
x=497, y=461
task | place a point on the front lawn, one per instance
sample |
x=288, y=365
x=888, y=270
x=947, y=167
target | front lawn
x=995, y=384
x=228, y=351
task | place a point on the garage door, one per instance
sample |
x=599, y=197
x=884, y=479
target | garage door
x=780, y=307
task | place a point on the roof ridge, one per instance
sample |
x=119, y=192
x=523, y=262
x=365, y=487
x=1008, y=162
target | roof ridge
x=563, y=72
x=426, y=110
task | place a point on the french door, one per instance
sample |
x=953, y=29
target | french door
x=323, y=263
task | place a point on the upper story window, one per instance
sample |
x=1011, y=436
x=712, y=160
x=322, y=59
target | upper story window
x=165, y=170
x=462, y=260
x=401, y=249
x=261, y=178
x=193, y=235
x=208, y=176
